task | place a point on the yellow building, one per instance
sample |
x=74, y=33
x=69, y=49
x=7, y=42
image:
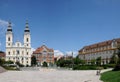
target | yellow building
x=105, y=50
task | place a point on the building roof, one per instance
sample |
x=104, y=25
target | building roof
x=100, y=44
x=43, y=47
x=2, y=54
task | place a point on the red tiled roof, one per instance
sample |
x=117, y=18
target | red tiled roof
x=100, y=44
x=2, y=54
x=40, y=49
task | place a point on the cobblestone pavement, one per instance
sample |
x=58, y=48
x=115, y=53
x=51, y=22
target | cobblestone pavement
x=50, y=76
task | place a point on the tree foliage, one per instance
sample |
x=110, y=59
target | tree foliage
x=45, y=64
x=9, y=62
x=117, y=67
x=70, y=62
x=2, y=61
x=114, y=59
x=98, y=61
x=93, y=61
x=33, y=61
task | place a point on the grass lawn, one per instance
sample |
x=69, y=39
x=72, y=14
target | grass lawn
x=110, y=76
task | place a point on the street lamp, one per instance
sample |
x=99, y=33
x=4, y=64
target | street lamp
x=72, y=60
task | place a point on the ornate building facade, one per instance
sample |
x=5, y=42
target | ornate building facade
x=105, y=50
x=18, y=51
x=44, y=54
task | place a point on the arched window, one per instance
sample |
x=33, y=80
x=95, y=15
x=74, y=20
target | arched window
x=27, y=39
x=18, y=52
x=8, y=53
x=8, y=44
x=8, y=38
x=18, y=45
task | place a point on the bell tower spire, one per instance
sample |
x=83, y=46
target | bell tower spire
x=9, y=35
x=9, y=27
x=26, y=27
x=27, y=37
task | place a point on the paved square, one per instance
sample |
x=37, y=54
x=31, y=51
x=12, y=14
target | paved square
x=50, y=76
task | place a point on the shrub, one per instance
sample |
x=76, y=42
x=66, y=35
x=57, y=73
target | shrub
x=19, y=64
x=9, y=62
x=45, y=64
x=84, y=67
x=2, y=61
x=105, y=66
x=117, y=68
x=111, y=65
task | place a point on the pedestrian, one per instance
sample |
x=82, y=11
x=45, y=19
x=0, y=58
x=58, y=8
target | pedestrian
x=97, y=73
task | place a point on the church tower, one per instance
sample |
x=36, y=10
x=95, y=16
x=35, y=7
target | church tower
x=27, y=38
x=18, y=51
x=9, y=36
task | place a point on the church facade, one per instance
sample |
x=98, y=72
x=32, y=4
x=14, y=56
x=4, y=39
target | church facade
x=18, y=51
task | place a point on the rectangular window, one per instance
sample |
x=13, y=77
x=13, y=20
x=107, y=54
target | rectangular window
x=27, y=53
x=44, y=59
x=18, y=52
x=27, y=61
x=8, y=53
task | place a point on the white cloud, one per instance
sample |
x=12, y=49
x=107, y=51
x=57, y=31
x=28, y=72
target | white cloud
x=3, y=23
x=0, y=44
x=69, y=53
x=58, y=53
x=32, y=49
x=3, y=27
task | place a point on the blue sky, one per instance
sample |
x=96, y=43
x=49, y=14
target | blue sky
x=65, y=25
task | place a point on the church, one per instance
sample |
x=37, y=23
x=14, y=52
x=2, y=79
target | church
x=18, y=51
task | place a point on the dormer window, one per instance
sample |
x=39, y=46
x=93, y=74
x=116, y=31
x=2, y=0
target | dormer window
x=114, y=43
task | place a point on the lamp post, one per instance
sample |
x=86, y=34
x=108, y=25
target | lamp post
x=72, y=61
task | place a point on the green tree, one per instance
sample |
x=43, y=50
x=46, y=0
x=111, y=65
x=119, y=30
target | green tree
x=98, y=61
x=33, y=61
x=45, y=64
x=93, y=62
x=2, y=61
x=83, y=62
x=118, y=53
x=117, y=67
x=60, y=62
x=114, y=59
x=77, y=61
